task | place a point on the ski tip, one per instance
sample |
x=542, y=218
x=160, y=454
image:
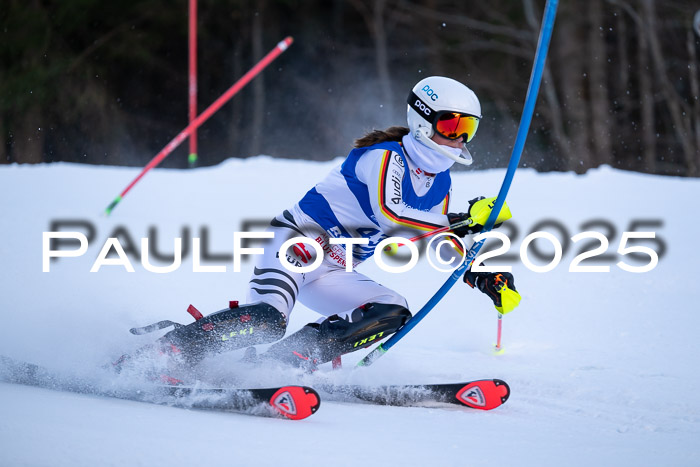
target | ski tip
x=295, y=402
x=485, y=394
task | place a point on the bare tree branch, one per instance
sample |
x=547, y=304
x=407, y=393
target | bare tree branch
x=513, y=33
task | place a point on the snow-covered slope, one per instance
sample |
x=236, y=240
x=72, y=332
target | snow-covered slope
x=603, y=366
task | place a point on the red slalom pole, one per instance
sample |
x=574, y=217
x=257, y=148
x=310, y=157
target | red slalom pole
x=436, y=231
x=192, y=88
x=498, y=348
x=237, y=86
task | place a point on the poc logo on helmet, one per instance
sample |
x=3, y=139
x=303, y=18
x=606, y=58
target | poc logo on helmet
x=426, y=89
x=423, y=108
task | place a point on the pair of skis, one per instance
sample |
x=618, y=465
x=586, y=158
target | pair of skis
x=291, y=402
x=299, y=402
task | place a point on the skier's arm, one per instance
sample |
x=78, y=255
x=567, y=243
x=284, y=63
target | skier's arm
x=383, y=172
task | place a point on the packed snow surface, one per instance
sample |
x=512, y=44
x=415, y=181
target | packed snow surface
x=603, y=366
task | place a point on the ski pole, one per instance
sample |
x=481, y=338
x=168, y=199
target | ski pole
x=237, y=86
x=523, y=128
x=498, y=348
x=431, y=233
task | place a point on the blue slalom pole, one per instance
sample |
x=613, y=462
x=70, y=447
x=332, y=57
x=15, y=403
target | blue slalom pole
x=525, y=120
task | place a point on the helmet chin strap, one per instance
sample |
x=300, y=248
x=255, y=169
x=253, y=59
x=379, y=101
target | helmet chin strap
x=422, y=135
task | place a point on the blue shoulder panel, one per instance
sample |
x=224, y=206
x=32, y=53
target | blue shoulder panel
x=358, y=188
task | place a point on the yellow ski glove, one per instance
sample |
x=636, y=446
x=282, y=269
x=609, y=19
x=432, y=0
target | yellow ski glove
x=479, y=211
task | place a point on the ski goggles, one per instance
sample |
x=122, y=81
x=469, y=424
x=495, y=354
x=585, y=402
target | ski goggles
x=446, y=123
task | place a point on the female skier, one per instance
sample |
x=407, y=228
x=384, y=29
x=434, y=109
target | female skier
x=393, y=183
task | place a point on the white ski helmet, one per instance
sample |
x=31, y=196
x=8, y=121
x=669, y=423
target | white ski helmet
x=434, y=97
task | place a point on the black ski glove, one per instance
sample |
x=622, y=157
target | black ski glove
x=464, y=230
x=479, y=211
x=499, y=286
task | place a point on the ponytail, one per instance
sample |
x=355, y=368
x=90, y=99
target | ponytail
x=394, y=133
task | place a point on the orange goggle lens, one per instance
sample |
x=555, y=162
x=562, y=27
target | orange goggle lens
x=453, y=125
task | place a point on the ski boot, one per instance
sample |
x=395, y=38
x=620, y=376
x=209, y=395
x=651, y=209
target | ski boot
x=232, y=328
x=318, y=343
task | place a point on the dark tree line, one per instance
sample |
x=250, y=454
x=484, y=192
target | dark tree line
x=106, y=82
